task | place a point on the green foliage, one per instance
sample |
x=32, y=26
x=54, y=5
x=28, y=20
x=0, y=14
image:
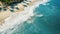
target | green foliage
x=5, y=1
x=9, y=1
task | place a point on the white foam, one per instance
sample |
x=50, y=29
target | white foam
x=19, y=18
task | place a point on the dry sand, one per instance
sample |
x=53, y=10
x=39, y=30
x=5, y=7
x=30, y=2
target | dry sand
x=4, y=15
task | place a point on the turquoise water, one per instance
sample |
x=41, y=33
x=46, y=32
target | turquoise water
x=49, y=23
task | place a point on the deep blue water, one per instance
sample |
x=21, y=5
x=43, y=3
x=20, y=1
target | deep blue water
x=47, y=24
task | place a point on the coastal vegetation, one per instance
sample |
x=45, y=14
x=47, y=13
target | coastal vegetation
x=7, y=2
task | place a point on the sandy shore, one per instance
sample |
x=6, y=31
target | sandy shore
x=4, y=15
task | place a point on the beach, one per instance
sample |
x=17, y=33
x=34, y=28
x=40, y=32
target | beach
x=6, y=14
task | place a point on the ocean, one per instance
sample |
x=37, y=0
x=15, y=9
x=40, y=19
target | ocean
x=49, y=23
x=45, y=21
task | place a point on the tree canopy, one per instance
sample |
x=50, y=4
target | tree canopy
x=10, y=1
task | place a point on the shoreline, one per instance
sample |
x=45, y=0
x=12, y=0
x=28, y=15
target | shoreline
x=6, y=14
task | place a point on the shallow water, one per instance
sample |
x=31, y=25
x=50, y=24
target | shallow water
x=49, y=23
x=46, y=20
